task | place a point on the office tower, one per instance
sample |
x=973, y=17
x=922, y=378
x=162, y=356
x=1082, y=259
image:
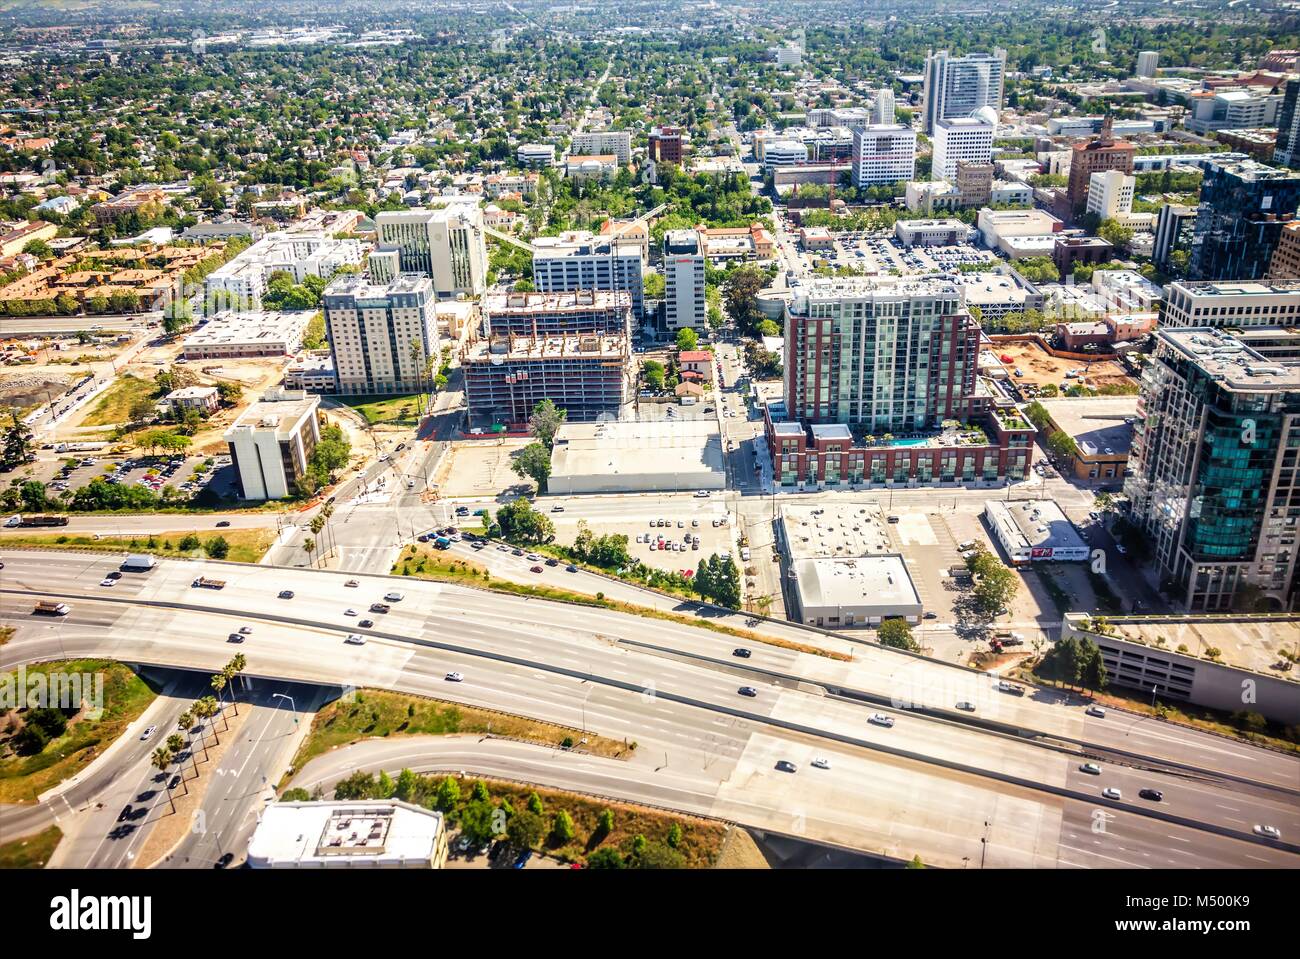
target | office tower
x=617, y=142
x=381, y=335
x=666, y=145
x=582, y=261
x=1103, y=152
x=557, y=314
x=958, y=86
x=1230, y=303
x=446, y=244
x=889, y=354
x=683, y=281
x=1173, y=232
x=1147, y=61
x=1214, y=475
x=884, y=153
x=1110, y=194
x=1287, y=151
x=272, y=442
x=963, y=139
x=882, y=108
x=1244, y=205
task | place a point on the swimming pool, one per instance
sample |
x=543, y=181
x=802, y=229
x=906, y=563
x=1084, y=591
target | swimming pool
x=914, y=441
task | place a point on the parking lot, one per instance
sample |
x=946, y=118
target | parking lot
x=188, y=475
x=876, y=253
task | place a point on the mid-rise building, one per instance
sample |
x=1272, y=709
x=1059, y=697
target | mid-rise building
x=558, y=314
x=381, y=335
x=683, y=266
x=445, y=244
x=666, y=145
x=1110, y=194
x=583, y=261
x=1239, y=305
x=1285, y=264
x=958, y=86
x=1215, y=483
x=1098, y=155
x=588, y=376
x=882, y=107
x=854, y=118
x=963, y=140
x=272, y=442
x=884, y=153
x=912, y=233
x=616, y=142
x=536, y=156
x=1147, y=63
x=240, y=283
x=1244, y=205
x=1175, y=226
x=784, y=152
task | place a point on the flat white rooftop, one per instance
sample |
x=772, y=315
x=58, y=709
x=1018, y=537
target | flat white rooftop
x=345, y=833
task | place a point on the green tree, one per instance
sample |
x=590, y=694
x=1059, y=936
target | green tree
x=217, y=547
x=545, y=422
x=652, y=371
x=687, y=339
x=895, y=632
x=533, y=462
x=607, y=857
x=562, y=828
x=448, y=794
x=525, y=830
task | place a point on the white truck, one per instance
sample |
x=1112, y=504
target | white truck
x=138, y=563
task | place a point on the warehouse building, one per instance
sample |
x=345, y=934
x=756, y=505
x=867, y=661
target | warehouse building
x=255, y=333
x=835, y=591
x=355, y=834
x=637, y=457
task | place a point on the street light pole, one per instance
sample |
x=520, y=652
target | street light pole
x=292, y=704
x=984, y=842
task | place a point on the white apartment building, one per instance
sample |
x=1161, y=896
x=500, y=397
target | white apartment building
x=617, y=142
x=271, y=443
x=241, y=282
x=582, y=261
x=1110, y=194
x=1148, y=60
x=446, y=244
x=884, y=153
x=855, y=118
x=1237, y=303
x=381, y=334
x=683, y=266
x=787, y=55
x=963, y=139
x=958, y=86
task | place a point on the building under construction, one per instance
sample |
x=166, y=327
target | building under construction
x=588, y=375
x=601, y=312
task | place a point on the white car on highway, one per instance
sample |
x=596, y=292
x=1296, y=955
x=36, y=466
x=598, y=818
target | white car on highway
x=1110, y=792
x=820, y=763
x=1268, y=832
x=455, y=678
x=355, y=639
x=880, y=719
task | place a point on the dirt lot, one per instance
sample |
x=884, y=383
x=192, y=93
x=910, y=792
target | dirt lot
x=1042, y=368
x=479, y=467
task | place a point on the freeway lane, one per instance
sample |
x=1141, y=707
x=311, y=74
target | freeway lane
x=522, y=638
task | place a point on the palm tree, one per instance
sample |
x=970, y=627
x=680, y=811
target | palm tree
x=161, y=759
x=218, y=684
x=316, y=525
x=206, y=708
x=175, y=743
x=185, y=723
x=309, y=547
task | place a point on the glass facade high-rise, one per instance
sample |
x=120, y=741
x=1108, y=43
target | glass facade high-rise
x=1215, y=477
x=1244, y=206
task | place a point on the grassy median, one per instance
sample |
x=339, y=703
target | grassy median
x=30, y=852
x=425, y=563
x=245, y=545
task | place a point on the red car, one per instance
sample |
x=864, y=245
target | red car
x=536, y=569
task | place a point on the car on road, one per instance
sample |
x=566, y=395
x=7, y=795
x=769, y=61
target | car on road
x=234, y=638
x=747, y=691
x=742, y=652
x=552, y=562
x=108, y=581
x=1094, y=516
x=1110, y=792
x=379, y=607
x=144, y=736
x=126, y=813
x=225, y=860
x=366, y=623
x=931, y=616
x=455, y=678
x=349, y=611
x=352, y=582
x=570, y=568
x=462, y=510
x=557, y=509
x=880, y=719
x=355, y=639
x=534, y=569
x=1096, y=711
x=532, y=557
x=1092, y=769
x=785, y=766
x=966, y=707
x=222, y=524
x=286, y=594
x=393, y=597
x=1155, y=795
x=1268, y=832
x=246, y=630
x=820, y=763
x=517, y=552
